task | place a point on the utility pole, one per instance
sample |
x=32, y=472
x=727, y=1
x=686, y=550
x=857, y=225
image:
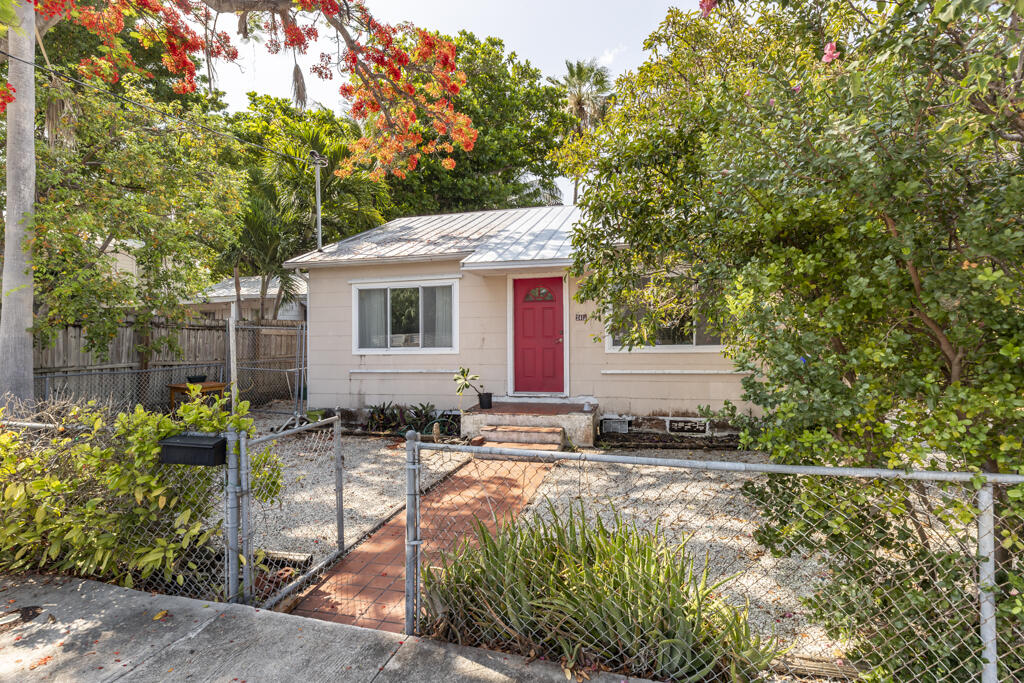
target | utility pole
x=16, y=285
x=319, y=161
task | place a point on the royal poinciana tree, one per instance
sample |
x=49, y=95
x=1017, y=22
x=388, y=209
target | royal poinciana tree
x=399, y=80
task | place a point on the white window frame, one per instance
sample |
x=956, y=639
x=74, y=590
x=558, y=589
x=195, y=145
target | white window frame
x=404, y=283
x=610, y=347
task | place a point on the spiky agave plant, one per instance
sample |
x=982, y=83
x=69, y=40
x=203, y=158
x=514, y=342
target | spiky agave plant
x=591, y=595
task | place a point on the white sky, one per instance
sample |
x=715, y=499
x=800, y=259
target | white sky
x=544, y=32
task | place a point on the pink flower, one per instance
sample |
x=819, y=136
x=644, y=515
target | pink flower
x=706, y=6
x=797, y=88
x=831, y=53
x=771, y=102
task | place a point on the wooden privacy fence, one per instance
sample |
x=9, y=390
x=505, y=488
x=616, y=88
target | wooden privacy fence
x=270, y=360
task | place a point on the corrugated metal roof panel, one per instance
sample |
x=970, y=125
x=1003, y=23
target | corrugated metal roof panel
x=505, y=236
x=249, y=286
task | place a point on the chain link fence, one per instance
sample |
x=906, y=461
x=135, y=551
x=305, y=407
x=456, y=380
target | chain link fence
x=271, y=366
x=292, y=507
x=78, y=498
x=717, y=571
x=124, y=389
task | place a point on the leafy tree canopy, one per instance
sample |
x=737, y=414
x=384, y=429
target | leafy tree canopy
x=839, y=186
x=520, y=119
x=132, y=211
x=279, y=218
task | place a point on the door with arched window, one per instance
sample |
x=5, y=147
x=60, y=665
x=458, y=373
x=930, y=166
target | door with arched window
x=538, y=351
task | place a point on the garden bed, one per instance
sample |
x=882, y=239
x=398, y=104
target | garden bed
x=718, y=521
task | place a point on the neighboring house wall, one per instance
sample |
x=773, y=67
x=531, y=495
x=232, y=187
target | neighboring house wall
x=630, y=383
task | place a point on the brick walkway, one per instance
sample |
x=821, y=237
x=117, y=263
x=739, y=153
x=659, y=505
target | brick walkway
x=367, y=587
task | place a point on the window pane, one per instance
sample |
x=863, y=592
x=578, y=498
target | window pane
x=705, y=338
x=373, y=318
x=680, y=334
x=674, y=335
x=405, y=317
x=437, y=317
x=539, y=294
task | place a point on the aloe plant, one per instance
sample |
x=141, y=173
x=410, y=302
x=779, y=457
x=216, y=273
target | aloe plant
x=591, y=596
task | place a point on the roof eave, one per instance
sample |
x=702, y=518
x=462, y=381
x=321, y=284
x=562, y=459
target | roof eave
x=351, y=263
x=515, y=265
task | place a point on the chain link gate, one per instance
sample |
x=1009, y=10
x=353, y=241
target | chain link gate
x=291, y=521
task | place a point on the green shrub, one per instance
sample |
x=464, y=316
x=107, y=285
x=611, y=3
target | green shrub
x=591, y=596
x=91, y=499
x=396, y=418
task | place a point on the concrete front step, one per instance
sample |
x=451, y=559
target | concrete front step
x=578, y=420
x=522, y=446
x=524, y=434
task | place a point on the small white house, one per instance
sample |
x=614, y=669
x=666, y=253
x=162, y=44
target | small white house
x=217, y=300
x=395, y=311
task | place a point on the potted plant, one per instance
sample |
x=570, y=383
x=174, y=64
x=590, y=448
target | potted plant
x=464, y=380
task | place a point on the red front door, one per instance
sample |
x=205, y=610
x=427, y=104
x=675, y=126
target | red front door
x=538, y=358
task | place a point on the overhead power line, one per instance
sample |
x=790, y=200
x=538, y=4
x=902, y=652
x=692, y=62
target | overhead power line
x=155, y=110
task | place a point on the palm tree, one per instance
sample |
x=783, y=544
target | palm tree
x=349, y=205
x=587, y=87
x=280, y=217
x=269, y=237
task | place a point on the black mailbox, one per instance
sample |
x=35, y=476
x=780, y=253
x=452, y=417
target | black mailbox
x=193, y=449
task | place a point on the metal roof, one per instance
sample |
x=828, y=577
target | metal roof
x=249, y=288
x=481, y=239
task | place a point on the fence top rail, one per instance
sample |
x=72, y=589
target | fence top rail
x=295, y=430
x=723, y=466
x=58, y=374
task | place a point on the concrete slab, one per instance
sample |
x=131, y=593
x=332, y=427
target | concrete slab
x=246, y=644
x=90, y=631
x=100, y=632
x=85, y=631
x=428, y=661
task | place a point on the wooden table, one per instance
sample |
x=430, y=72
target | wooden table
x=204, y=388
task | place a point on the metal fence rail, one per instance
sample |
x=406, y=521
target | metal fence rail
x=849, y=572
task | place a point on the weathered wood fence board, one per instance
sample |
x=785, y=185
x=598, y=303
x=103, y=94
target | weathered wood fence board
x=269, y=356
x=199, y=342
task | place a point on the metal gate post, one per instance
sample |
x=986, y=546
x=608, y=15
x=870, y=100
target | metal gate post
x=339, y=480
x=986, y=584
x=246, y=530
x=231, y=532
x=412, y=529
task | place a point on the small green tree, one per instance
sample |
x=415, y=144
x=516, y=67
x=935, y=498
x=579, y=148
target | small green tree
x=279, y=219
x=838, y=188
x=133, y=210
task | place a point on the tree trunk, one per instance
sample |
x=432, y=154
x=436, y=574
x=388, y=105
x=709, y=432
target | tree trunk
x=16, y=286
x=264, y=285
x=575, y=191
x=278, y=298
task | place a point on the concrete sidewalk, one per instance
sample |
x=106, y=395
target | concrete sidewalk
x=62, y=629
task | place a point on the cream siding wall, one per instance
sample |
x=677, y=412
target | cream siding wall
x=639, y=383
